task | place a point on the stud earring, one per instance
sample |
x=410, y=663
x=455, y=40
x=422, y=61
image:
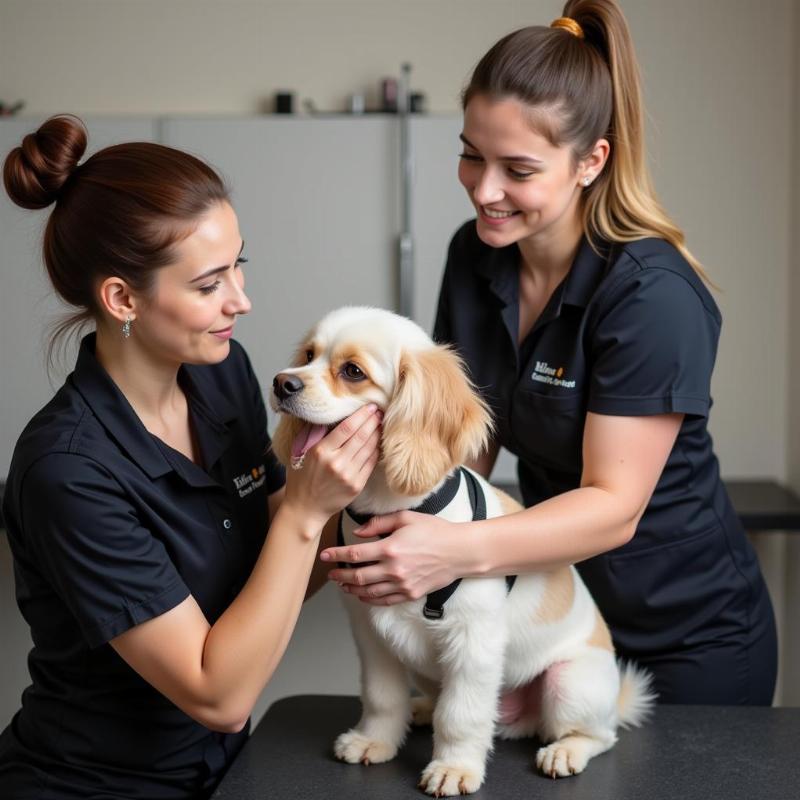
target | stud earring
x=126, y=327
x=586, y=181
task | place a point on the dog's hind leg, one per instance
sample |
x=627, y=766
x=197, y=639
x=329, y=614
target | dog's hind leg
x=385, y=700
x=579, y=711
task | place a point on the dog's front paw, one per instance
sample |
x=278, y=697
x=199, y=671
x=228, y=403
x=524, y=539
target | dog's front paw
x=445, y=780
x=355, y=748
x=561, y=759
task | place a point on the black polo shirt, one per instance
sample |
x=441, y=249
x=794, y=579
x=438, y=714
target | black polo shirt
x=630, y=331
x=109, y=527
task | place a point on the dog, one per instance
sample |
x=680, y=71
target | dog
x=535, y=658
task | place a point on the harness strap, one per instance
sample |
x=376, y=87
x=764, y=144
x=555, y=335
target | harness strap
x=434, y=602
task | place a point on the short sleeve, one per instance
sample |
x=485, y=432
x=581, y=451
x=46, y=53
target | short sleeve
x=107, y=568
x=275, y=472
x=653, y=348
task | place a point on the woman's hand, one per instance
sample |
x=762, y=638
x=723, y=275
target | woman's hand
x=337, y=467
x=422, y=555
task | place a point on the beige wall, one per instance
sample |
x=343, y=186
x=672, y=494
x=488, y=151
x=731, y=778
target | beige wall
x=199, y=56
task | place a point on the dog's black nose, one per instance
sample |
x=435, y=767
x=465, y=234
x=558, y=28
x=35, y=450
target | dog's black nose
x=286, y=385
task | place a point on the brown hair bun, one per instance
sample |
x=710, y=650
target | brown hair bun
x=35, y=172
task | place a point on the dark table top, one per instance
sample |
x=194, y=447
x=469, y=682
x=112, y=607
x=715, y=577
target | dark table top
x=682, y=753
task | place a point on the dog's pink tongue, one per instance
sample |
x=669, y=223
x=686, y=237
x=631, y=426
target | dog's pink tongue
x=307, y=438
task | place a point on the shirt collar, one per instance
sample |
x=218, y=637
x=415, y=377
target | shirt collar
x=206, y=397
x=114, y=412
x=116, y=415
x=501, y=267
x=586, y=272
x=213, y=412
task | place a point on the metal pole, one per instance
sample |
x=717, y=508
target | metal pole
x=406, y=242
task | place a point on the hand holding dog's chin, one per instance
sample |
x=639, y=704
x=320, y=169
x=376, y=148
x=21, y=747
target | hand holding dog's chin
x=336, y=469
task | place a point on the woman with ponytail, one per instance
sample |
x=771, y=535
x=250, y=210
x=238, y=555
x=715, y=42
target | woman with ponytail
x=138, y=500
x=589, y=328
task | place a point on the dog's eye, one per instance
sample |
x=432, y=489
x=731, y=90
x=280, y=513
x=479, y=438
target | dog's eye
x=309, y=356
x=352, y=372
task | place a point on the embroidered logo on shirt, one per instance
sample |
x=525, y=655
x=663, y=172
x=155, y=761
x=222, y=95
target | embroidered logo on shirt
x=250, y=481
x=544, y=373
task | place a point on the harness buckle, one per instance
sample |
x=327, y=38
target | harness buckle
x=432, y=613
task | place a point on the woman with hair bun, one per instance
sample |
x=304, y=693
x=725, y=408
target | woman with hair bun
x=139, y=498
x=587, y=324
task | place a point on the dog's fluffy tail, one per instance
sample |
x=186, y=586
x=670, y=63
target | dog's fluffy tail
x=636, y=698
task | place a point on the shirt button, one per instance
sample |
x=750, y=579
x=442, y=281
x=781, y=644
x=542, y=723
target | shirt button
x=227, y=524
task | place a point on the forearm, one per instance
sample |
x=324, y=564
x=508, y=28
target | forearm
x=319, y=573
x=216, y=672
x=245, y=645
x=565, y=529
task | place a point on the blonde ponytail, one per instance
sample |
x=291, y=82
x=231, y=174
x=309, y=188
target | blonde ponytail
x=622, y=206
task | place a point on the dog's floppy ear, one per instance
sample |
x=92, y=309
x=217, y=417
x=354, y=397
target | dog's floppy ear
x=285, y=433
x=434, y=422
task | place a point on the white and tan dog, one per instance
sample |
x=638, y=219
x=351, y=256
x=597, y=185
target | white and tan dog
x=537, y=659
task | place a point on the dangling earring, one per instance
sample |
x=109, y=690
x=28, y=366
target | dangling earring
x=126, y=327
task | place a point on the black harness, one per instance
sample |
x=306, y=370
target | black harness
x=437, y=502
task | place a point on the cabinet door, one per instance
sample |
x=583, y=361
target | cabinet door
x=318, y=207
x=29, y=305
